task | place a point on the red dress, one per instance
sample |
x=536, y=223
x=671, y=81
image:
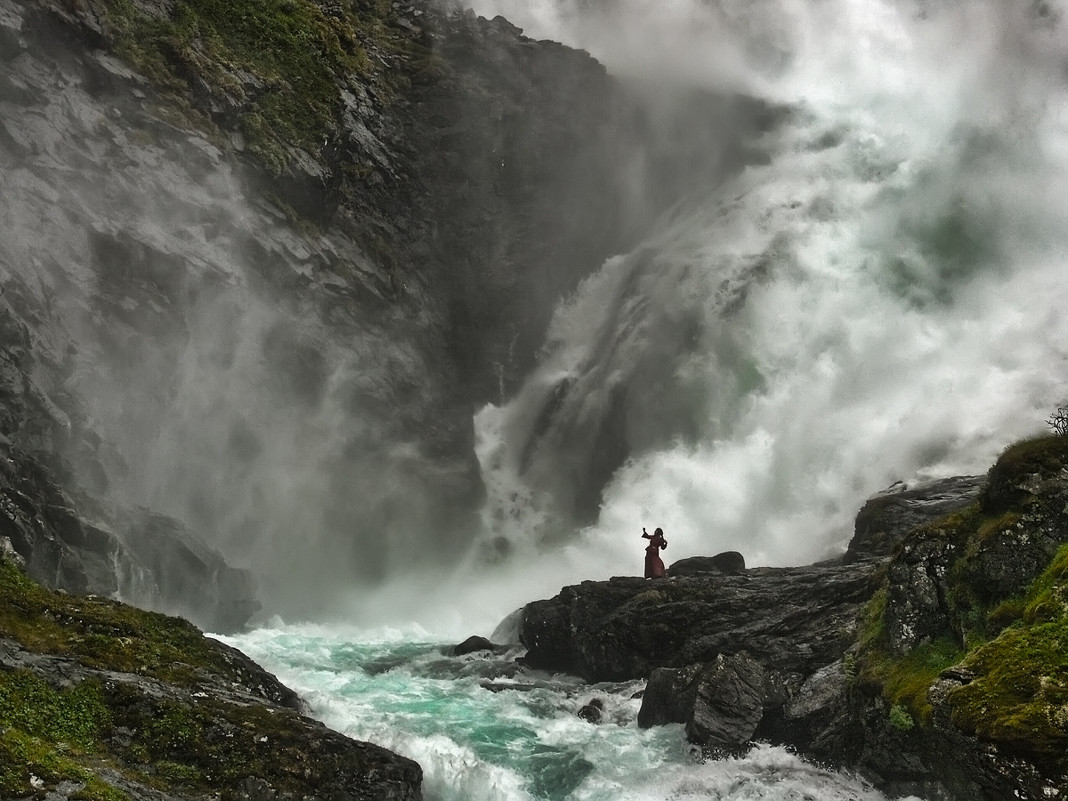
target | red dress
x=654, y=565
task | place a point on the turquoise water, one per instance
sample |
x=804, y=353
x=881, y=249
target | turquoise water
x=485, y=729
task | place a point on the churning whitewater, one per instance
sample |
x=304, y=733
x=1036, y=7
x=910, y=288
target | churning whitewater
x=879, y=298
x=482, y=730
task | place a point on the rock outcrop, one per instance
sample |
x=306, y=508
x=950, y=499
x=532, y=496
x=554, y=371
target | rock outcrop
x=796, y=619
x=100, y=700
x=146, y=558
x=930, y=658
x=887, y=517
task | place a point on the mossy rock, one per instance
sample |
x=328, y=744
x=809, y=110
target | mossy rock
x=1022, y=471
x=272, y=69
x=110, y=702
x=1019, y=696
x=1010, y=631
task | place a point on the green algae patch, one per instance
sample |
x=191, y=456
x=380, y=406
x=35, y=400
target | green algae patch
x=1020, y=694
x=102, y=633
x=273, y=69
x=1011, y=634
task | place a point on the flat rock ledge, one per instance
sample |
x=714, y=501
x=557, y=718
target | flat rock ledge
x=734, y=658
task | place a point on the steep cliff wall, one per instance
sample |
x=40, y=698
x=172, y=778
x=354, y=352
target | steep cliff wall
x=263, y=294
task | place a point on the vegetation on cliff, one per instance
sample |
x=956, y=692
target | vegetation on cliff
x=979, y=600
x=103, y=700
x=272, y=69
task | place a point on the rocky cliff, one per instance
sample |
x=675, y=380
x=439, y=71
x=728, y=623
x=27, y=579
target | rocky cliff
x=931, y=658
x=253, y=290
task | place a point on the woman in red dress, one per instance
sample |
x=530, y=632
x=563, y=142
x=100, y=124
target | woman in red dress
x=654, y=565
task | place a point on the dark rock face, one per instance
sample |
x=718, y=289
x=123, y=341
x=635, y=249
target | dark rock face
x=184, y=327
x=938, y=762
x=795, y=620
x=887, y=517
x=160, y=565
x=729, y=562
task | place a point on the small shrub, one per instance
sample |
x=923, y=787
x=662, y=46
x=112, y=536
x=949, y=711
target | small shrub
x=1058, y=421
x=849, y=667
x=901, y=718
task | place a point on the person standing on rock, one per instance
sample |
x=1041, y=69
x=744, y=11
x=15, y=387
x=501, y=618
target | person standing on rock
x=654, y=565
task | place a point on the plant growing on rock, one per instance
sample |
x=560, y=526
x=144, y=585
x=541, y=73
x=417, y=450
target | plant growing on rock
x=1058, y=421
x=901, y=718
x=980, y=611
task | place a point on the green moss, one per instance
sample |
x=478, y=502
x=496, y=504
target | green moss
x=75, y=717
x=1020, y=694
x=52, y=734
x=30, y=765
x=282, y=63
x=1016, y=646
x=206, y=745
x=871, y=631
x=993, y=526
x=1046, y=454
x=904, y=681
x=900, y=718
x=1006, y=613
x=954, y=526
x=102, y=633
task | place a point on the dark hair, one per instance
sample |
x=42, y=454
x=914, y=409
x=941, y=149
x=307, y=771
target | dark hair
x=659, y=531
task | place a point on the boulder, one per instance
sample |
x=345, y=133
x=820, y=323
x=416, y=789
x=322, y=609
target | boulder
x=593, y=711
x=472, y=645
x=728, y=562
x=721, y=702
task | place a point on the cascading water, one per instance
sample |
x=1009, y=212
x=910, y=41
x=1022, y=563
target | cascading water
x=881, y=300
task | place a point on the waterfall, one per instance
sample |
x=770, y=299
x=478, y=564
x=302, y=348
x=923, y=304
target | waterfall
x=881, y=301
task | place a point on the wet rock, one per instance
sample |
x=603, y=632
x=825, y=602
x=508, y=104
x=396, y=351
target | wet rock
x=887, y=517
x=472, y=645
x=720, y=702
x=794, y=620
x=729, y=562
x=593, y=711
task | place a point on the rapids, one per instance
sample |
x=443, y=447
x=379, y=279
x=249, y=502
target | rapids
x=482, y=730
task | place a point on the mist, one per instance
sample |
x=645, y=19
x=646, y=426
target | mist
x=873, y=293
x=881, y=302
